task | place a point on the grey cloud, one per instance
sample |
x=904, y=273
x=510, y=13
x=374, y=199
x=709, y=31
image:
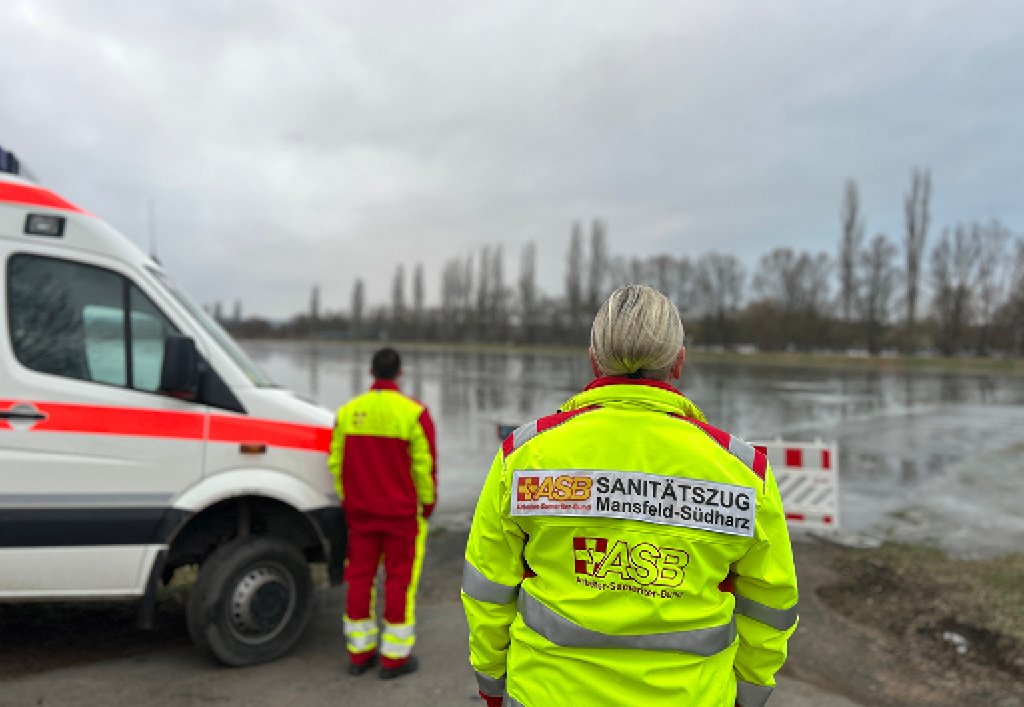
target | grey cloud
x=287, y=144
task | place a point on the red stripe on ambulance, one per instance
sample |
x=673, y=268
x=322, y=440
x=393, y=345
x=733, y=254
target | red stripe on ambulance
x=34, y=196
x=270, y=432
x=170, y=424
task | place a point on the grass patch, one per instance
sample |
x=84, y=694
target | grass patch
x=923, y=596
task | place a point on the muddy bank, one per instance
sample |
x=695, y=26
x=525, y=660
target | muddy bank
x=908, y=625
x=897, y=626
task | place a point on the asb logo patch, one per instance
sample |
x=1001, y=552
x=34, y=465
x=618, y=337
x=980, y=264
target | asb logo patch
x=641, y=563
x=527, y=488
x=554, y=488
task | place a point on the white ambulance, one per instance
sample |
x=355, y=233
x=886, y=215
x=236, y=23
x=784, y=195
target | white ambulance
x=136, y=437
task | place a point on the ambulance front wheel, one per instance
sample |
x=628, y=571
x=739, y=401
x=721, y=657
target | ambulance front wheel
x=251, y=601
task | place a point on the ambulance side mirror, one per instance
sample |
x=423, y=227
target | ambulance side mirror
x=179, y=375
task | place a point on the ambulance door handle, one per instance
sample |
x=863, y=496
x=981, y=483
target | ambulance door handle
x=22, y=411
x=22, y=417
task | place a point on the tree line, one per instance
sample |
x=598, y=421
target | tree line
x=963, y=293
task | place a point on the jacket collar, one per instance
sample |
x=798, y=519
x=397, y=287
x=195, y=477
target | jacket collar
x=622, y=380
x=383, y=384
x=632, y=393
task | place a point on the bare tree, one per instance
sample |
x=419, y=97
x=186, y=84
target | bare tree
x=456, y=297
x=849, y=250
x=719, y=288
x=398, y=297
x=498, y=295
x=358, y=305
x=528, y=291
x=482, y=314
x=418, y=295
x=684, y=287
x=637, y=272
x=661, y=271
x=992, y=269
x=915, y=207
x=449, y=297
x=877, y=272
x=953, y=264
x=1014, y=307
x=574, y=279
x=314, y=305
x=465, y=282
x=598, y=266
x=799, y=287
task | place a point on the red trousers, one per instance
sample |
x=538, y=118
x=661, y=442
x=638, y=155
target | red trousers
x=398, y=544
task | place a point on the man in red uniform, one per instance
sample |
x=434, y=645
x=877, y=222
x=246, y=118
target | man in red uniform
x=384, y=461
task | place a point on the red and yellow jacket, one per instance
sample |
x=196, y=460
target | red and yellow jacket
x=384, y=454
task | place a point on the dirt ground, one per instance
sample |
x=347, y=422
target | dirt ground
x=903, y=626
x=895, y=626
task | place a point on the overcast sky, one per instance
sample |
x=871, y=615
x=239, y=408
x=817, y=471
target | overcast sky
x=286, y=144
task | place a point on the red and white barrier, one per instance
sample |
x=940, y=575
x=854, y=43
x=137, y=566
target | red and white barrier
x=808, y=481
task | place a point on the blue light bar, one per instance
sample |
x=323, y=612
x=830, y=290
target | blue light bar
x=10, y=164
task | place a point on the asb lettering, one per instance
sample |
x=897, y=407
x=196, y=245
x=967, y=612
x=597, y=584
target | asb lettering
x=642, y=563
x=554, y=488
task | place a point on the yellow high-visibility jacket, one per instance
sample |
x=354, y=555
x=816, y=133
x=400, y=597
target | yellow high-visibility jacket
x=624, y=552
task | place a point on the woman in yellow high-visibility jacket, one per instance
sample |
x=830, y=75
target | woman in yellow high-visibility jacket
x=625, y=552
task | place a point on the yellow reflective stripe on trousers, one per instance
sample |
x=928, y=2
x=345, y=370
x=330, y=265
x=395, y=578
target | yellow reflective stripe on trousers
x=490, y=686
x=398, y=640
x=704, y=642
x=360, y=636
x=478, y=587
x=750, y=695
x=417, y=569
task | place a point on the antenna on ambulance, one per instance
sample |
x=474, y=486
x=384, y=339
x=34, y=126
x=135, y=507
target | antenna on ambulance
x=152, y=232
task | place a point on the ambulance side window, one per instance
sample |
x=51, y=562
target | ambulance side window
x=68, y=319
x=63, y=319
x=149, y=330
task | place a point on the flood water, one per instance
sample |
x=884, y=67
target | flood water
x=924, y=457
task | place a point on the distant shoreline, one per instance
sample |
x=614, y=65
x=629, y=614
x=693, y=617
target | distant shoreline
x=772, y=359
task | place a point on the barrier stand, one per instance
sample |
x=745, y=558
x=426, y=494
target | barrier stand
x=808, y=482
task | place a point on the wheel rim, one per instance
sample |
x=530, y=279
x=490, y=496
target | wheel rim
x=262, y=603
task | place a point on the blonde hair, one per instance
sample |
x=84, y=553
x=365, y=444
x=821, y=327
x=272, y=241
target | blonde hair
x=637, y=333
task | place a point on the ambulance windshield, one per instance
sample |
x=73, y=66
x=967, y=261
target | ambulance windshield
x=232, y=349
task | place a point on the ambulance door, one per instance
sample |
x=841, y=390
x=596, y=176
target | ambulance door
x=91, y=454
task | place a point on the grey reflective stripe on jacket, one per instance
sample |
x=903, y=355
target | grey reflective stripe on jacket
x=742, y=450
x=475, y=585
x=704, y=642
x=524, y=434
x=490, y=686
x=779, y=619
x=747, y=695
x=750, y=695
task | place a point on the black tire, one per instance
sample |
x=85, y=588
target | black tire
x=251, y=601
